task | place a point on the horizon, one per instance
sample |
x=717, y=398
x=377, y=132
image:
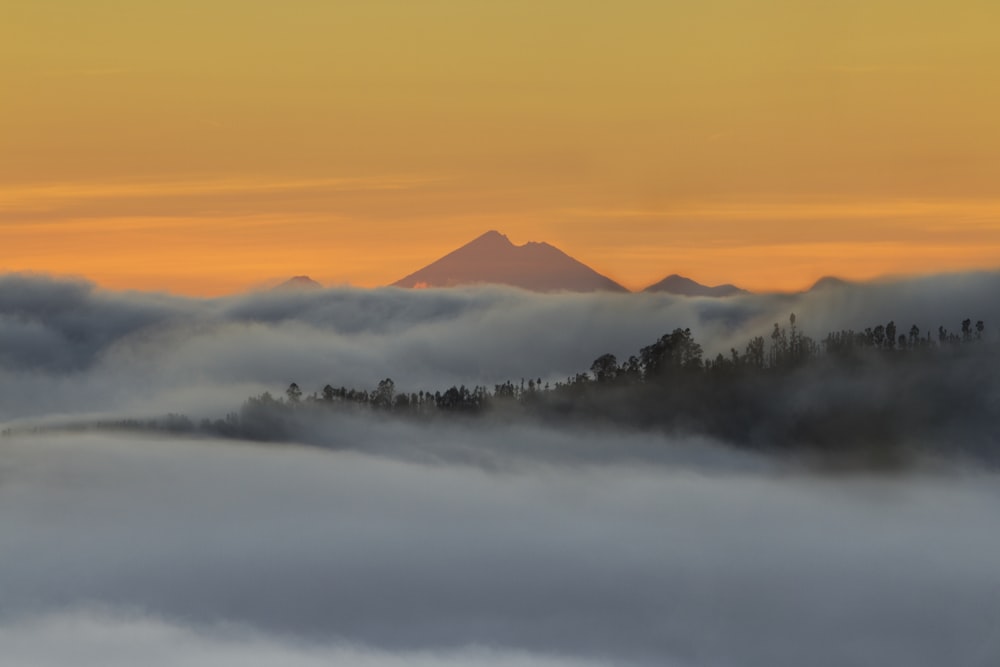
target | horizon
x=859, y=262
x=264, y=399
x=762, y=146
x=271, y=282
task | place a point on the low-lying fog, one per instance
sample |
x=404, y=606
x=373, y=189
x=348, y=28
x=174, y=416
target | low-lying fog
x=211, y=552
x=461, y=542
x=69, y=348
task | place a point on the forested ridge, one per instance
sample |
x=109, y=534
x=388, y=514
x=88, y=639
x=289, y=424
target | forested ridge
x=865, y=392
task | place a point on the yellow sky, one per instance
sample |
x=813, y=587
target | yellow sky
x=210, y=146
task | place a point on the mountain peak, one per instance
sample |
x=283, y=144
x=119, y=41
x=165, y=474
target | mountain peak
x=681, y=286
x=490, y=238
x=828, y=282
x=492, y=259
x=492, y=234
x=298, y=283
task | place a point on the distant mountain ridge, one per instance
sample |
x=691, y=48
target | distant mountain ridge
x=493, y=259
x=829, y=282
x=298, y=283
x=681, y=286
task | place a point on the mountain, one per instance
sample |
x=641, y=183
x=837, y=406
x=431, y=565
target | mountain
x=828, y=282
x=298, y=283
x=493, y=259
x=675, y=284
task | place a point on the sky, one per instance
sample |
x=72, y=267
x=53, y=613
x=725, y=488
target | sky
x=211, y=147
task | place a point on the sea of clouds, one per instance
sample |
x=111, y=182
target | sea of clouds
x=458, y=542
x=67, y=347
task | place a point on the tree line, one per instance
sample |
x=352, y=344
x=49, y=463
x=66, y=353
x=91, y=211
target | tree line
x=869, y=392
x=675, y=357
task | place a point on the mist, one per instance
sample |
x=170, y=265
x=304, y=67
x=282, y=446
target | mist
x=364, y=538
x=307, y=550
x=68, y=347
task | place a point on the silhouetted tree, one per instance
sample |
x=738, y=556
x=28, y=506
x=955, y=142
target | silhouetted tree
x=631, y=370
x=605, y=368
x=878, y=336
x=672, y=352
x=890, y=335
x=777, y=346
x=755, y=352
x=383, y=395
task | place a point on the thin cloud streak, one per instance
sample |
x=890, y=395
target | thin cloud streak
x=982, y=210
x=46, y=195
x=116, y=639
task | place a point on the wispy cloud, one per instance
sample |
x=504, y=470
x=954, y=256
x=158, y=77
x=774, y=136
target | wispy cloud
x=106, y=638
x=89, y=72
x=69, y=347
x=875, y=68
x=50, y=194
x=985, y=211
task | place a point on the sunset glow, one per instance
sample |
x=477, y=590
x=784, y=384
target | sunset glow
x=213, y=147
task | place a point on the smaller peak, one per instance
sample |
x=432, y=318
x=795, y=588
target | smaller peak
x=298, y=283
x=827, y=282
x=676, y=278
x=684, y=286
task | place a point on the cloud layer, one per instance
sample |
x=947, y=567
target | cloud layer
x=67, y=347
x=89, y=639
x=493, y=542
x=692, y=563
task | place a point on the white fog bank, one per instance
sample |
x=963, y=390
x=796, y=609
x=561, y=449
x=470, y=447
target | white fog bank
x=133, y=543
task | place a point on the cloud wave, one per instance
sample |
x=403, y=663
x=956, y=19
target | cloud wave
x=67, y=347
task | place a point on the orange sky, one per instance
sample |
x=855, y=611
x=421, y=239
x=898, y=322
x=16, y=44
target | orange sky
x=208, y=146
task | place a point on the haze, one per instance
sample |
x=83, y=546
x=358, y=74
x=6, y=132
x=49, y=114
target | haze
x=459, y=542
x=204, y=148
x=233, y=433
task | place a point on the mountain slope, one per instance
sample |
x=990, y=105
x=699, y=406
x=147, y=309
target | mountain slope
x=681, y=286
x=829, y=282
x=493, y=259
x=296, y=283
